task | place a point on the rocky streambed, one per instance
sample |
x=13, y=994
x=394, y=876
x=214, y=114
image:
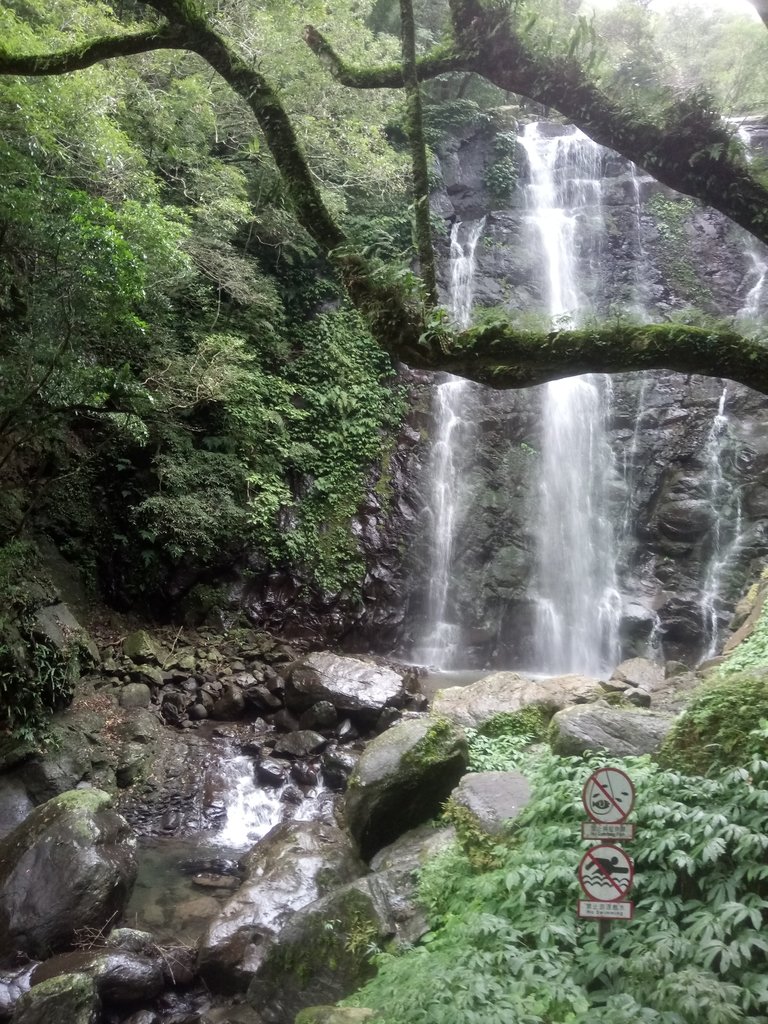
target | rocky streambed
x=227, y=824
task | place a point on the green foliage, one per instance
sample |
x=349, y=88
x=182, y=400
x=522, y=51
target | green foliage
x=500, y=742
x=751, y=653
x=715, y=730
x=672, y=217
x=501, y=174
x=506, y=944
x=36, y=676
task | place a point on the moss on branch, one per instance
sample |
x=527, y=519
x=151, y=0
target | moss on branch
x=75, y=58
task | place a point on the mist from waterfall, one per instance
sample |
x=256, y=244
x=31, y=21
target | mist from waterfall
x=441, y=643
x=578, y=604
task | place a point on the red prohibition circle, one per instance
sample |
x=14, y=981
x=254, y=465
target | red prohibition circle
x=589, y=862
x=593, y=780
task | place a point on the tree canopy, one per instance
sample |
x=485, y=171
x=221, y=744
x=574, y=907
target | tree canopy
x=682, y=141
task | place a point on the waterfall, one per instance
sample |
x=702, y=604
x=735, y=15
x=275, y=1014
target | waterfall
x=725, y=530
x=442, y=640
x=757, y=255
x=577, y=598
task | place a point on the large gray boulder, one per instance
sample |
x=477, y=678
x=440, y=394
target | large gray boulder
x=357, y=688
x=13, y=984
x=323, y=954
x=292, y=866
x=622, y=733
x=402, y=779
x=640, y=672
x=396, y=873
x=70, y=865
x=471, y=706
x=70, y=998
x=492, y=798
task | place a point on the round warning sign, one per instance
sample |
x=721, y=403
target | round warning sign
x=608, y=796
x=606, y=873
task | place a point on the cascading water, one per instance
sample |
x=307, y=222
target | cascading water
x=578, y=601
x=725, y=530
x=442, y=640
x=755, y=297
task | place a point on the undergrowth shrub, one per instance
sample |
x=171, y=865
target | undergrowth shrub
x=506, y=945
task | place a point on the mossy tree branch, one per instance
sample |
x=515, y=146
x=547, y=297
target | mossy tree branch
x=76, y=58
x=418, y=152
x=502, y=357
x=689, y=150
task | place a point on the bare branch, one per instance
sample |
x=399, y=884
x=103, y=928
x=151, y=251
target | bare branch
x=388, y=77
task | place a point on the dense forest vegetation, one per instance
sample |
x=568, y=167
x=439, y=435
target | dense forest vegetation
x=201, y=312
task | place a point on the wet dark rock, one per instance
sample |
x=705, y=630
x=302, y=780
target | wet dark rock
x=337, y=765
x=333, y=965
x=262, y=698
x=355, y=687
x=304, y=743
x=387, y=718
x=69, y=866
x=270, y=772
x=402, y=779
x=15, y=803
x=230, y=705
x=292, y=795
x=69, y=997
x=304, y=774
x=120, y=976
x=284, y=720
x=295, y=864
x=322, y=715
x=599, y=727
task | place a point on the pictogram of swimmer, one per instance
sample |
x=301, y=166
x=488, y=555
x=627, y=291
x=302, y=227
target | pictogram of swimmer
x=610, y=865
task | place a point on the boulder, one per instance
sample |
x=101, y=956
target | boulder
x=70, y=865
x=492, y=798
x=323, y=953
x=622, y=733
x=69, y=998
x=396, y=873
x=15, y=803
x=355, y=687
x=141, y=648
x=57, y=624
x=402, y=779
x=641, y=673
x=293, y=865
x=471, y=706
x=303, y=743
x=135, y=695
x=120, y=976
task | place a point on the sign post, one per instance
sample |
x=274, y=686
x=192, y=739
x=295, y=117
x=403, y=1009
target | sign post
x=606, y=871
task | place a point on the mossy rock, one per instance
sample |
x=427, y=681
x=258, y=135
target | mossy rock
x=141, y=648
x=323, y=954
x=69, y=998
x=402, y=779
x=715, y=729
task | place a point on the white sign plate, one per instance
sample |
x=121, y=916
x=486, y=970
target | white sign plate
x=595, y=830
x=608, y=796
x=606, y=873
x=597, y=910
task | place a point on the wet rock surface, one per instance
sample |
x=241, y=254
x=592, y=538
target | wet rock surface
x=401, y=780
x=492, y=798
x=294, y=865
x=69, y=866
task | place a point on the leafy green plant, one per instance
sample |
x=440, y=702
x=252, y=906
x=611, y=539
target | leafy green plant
x=506, y=944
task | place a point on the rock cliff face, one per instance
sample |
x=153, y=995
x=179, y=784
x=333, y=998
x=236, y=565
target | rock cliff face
x=687, y=491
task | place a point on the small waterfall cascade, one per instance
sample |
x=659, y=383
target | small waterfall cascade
x=756, y=295
x=725, y=530
x=577, y=598
x=442, y=641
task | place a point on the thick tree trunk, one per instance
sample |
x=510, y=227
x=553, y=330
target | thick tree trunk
x=418, y=152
